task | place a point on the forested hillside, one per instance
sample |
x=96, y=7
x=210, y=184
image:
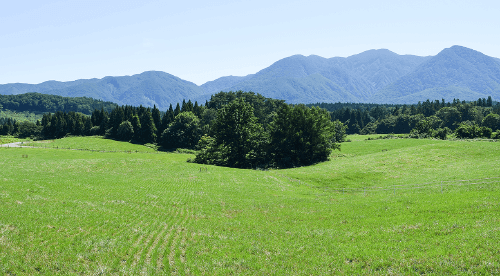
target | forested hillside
x=374, y=76
x=41, y=103
x=421, y=120
x=456, y=72
x=147, y=89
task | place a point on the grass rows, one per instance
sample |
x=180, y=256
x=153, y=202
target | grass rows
x=80, y=212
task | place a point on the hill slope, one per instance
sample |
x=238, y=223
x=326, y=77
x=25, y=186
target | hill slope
x=148, y=89
x=372, y=76
x=300, y=79
x=456, y=72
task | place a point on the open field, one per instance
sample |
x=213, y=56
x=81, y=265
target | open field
x=11, y=139
x=96, y=143
x=87, y=213
x=21, y=116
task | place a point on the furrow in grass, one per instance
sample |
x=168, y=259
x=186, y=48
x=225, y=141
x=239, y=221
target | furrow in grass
x=148, y=247
x=143, y=245
x=179, y=252
x=171, y=243
x=171, y=256
x=152, y=256
x=183, y=246
x=135, y=247
x=159, y=262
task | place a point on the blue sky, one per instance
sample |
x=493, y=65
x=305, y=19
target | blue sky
x=200, y=41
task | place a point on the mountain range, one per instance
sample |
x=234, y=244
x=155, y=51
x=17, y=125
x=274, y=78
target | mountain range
x=375, y=76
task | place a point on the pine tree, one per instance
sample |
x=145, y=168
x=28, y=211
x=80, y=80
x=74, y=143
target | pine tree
x=177, y=110
x=157, y=120
x=148, y=128
x=136, y=124
x=489, y=102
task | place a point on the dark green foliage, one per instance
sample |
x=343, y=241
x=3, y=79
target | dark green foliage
x=7, y=126
x=177, y=110
x=157, y=120
x=183, y=132
x=36, y=102
x=61, y=124
x=237, y=137
x=423, y=129
x=136, y=124
x=167, y=118
x=442, y=133
x=28, y=129
x=297, y=136
x=148, y=128
x=496, y=134
x=261, y=105
x=403, y=118
x=492, y=121
x=116, y=117
x=125, y=131
x=471, y=130
x=451, y=116
x=302, y=136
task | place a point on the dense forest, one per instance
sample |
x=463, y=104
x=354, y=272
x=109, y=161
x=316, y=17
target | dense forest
x=437, y=115
x=244, y=129
x=36, y=102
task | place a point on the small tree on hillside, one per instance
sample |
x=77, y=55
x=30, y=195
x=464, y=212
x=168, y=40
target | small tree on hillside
x=238, y=138
x=183, y=132
x=301, y=136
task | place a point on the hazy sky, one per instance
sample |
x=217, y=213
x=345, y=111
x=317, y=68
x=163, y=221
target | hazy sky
x=200, y=41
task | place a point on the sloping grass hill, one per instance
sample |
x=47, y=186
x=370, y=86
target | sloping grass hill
x=82, y=212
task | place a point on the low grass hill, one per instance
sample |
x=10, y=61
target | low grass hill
x=377, y=207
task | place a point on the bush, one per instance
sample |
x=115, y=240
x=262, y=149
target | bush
x=471, y=130
x=441, y=133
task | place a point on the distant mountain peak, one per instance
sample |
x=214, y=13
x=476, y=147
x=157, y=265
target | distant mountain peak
x=377, y=75
x=377, y=52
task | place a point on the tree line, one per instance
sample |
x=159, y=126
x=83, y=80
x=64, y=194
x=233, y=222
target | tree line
x=426, y=119
x=244, y=129
x=36, y=102
x=235, y=129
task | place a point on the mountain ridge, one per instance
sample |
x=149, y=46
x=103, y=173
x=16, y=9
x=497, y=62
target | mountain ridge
x=371, y=76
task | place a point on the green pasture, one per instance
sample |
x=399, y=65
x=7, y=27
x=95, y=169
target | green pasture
x=21, y=116
x=11, y=139
x=67, y=212
x=389, y=162
x=92, y=143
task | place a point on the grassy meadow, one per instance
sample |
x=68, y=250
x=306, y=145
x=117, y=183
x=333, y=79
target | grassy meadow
x=377, y=207
x=21, y=116
x=91, y=143
x=11, y=139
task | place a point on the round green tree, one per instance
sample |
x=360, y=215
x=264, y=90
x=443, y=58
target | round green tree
x=183, y=132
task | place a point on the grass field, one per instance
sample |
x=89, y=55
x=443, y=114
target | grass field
x=21, y=116
x=11, y=139
x=88, y=213
x=95, y=143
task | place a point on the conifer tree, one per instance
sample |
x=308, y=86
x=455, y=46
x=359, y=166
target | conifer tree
x=148, y=128
x=157, y=120
x=177, y=110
